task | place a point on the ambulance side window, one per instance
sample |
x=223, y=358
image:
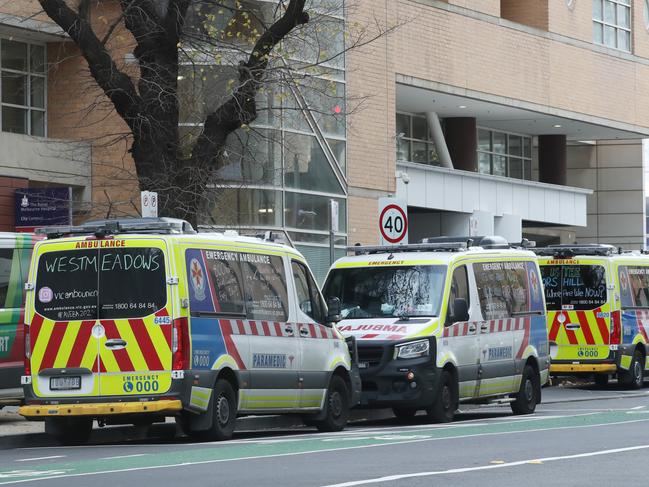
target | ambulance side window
x=264, y=284
x=308, y=296
x=459, y=289
x=6, y=260
x=634, y=286
x=503, y=288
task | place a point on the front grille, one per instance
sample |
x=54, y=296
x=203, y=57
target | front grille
x=371, y=356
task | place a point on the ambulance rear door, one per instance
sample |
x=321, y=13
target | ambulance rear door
x=100, y=318
x=578, y=304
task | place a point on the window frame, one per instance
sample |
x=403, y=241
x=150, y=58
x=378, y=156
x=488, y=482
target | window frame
x=411, y=140
x=524, y=159
x=29, y=74
x=602, y=24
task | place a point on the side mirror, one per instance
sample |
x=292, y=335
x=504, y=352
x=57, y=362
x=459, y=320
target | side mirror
x=333, y=310
x=460, y=311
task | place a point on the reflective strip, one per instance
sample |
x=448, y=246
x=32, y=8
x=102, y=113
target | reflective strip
x=200, y=397
x=625, y=361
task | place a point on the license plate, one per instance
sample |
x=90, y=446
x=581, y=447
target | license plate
x=65, y=383
x=363, y=365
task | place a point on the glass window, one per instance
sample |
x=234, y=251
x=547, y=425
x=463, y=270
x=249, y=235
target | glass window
x=494, y=145
x=225, y=279
x=414, y=141
x=634, y=286
x=311, y=212
x=504, y=288
x=574, y=287
x=6, y=266
x=459, y=289
x=309, y=298
x=23, y=87
x=399, y=291
x=306, y=166
x=100, y=284
x=612, y=23
x=243, y=206
x=264, y=284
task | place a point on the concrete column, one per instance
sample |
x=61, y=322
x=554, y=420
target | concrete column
x=437, y=134
x=553, y=159
x=462, y=142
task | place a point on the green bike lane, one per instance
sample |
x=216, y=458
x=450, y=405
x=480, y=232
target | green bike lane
x=60, y=463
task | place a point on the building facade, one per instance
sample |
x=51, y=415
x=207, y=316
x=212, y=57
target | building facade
x=523, y=118
x=517, y=117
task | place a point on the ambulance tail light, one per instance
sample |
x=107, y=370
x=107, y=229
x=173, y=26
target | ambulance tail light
x=616, y=328
x=180, y=344
x=28, y=352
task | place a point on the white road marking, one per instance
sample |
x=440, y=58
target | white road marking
x=125, y=456
x=392, y=478
x=638, y=407
x=328, y=450
x=39, y=458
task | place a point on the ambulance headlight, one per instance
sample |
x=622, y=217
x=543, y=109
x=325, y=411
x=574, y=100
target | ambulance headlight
x=419, y=348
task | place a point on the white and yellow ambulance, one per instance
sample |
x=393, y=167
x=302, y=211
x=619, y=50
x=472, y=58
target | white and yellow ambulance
x=130, y=321
x=444, y=322
x=597, y=300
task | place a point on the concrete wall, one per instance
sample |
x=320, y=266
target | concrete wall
x=616, y=209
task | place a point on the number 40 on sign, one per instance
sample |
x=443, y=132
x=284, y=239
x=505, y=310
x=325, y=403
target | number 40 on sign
x=393, y=221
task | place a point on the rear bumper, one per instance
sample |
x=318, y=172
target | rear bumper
x=101, y=409
x=583, y=368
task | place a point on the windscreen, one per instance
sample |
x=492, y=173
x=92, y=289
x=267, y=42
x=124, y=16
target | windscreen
x=574, y=287
x=89, y=284
x=387, y=292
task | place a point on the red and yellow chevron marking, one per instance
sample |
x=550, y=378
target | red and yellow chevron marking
x=592, y=330
x=70, y=344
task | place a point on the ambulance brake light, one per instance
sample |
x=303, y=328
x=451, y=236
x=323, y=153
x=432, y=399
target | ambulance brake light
x=180, y=345
x=616, y=328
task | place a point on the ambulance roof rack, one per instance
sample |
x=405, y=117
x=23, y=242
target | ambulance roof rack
x=486, y=242
x=420, y=247
x=273, y=235
x=566, y=251
x=102, y=228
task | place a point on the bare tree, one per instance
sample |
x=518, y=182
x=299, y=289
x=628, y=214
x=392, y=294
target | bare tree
x=169, y=34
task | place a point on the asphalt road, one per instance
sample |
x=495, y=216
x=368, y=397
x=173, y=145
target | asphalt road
x=581, y=436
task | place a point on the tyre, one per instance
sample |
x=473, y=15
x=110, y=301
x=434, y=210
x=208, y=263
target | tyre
x=601, y=380
x=634, y=377
x=336, y=407
x=445, y=403
x=526, y=399
x=224, y=410
x=404, y=413
x=69, y=431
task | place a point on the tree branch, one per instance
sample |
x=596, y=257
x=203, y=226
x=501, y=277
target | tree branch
x=116, y=85
x=240, y=108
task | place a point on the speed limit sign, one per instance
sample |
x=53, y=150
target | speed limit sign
x=393, y=221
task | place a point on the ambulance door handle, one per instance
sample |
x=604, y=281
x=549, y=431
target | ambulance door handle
x=289, y=330
x=115, y=343
x=484, y=328
x=304, y=331
x=472, y=328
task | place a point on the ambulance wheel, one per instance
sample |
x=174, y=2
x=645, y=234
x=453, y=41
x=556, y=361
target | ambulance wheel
x=404, y=413
x=224, y=410
x=526, y=398
x=69, y=431
x=634, y=377
x=601, y=380
x=336, y=407
x=445, y=404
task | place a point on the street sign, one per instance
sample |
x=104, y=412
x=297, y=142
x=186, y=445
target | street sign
x=149, y=200
x=393, y=221
x=40, y=207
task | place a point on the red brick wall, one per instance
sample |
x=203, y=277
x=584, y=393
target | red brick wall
x=7, y=188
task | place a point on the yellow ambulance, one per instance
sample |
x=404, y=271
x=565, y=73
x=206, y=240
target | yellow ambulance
x=129, y=321
x=444, y=322
x=597, y=300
